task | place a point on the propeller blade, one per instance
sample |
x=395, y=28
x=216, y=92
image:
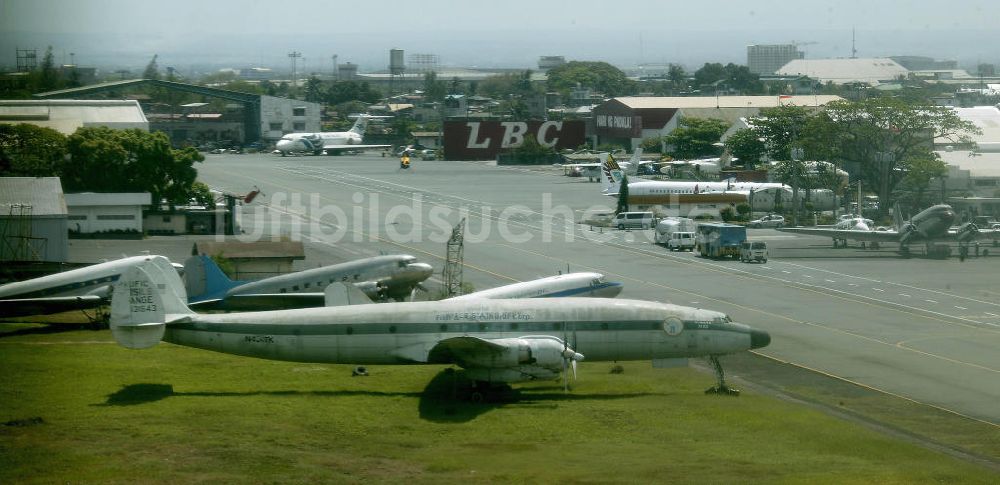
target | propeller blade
x=565, y=377
x=413, y=294
x=573, y=363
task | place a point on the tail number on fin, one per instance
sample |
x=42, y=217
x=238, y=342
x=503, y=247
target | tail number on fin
x=140, y=297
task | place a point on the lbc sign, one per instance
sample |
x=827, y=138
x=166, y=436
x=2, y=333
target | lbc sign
x=482, y=140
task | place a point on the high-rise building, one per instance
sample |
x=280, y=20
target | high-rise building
x=766, y=59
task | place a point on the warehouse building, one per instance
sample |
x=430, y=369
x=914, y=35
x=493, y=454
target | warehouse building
x=66, y=115
x=91, y=213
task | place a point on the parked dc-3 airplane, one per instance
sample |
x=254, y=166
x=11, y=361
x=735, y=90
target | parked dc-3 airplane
x=331, y=142
x=495, y=341
x=379, y=277
x=933, y=224
x=77, y=289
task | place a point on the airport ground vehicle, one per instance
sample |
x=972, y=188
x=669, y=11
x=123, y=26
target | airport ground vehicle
x=676, y=233
x=718, y=239
x=753, y=251
x=770, y=220
x=629, y=220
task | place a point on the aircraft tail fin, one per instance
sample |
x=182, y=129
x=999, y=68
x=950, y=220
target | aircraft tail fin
x=611, y=175
x=147, y=297
x=205, y=280
x=633, y=167
x=897, y=217
x=360, y=125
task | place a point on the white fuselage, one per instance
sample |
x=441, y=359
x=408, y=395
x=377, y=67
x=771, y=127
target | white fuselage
x=94, y=279
x=401, y=333
x=571, y=284
x=390, y=268
x=314, y=142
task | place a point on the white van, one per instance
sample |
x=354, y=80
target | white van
x=629, y=220
x=753, y=251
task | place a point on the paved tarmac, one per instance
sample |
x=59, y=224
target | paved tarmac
x=924, y=329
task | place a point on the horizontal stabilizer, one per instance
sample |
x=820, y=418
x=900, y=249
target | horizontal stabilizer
x=339, y=294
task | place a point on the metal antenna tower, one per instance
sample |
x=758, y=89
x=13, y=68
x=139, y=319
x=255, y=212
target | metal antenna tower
x=294, y=55
x=16, y=241
x=453, y=263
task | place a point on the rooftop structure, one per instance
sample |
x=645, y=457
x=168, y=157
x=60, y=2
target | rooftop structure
x=845, y=71
x=66, y=115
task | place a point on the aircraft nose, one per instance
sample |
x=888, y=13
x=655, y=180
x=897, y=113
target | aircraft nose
x=759, y=338
x=420, y=271
x=283, y=145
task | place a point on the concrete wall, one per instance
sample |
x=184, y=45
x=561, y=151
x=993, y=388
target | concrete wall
x=275, y=111
x=165, y=223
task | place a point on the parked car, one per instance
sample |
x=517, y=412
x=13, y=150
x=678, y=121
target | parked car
x=770, y=220
x=628, y=220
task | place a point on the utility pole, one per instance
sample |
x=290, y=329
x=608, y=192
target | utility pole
x=293, y=56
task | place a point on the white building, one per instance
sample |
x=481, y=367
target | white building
x=845, y=71
x=91, y=212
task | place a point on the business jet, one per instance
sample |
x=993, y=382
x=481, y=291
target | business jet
x=496, y=341
x=379, y=277
x=78, y=289
x=933, y=224
x=331, y=142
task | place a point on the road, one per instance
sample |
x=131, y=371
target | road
x=926, y=330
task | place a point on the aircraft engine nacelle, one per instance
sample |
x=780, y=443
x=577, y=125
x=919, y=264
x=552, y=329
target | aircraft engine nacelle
x=906, y=233
x=539, y=352
x=376, y=290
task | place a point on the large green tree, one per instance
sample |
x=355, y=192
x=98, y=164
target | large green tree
x=106, y=160
x=434, y=90
x=31, y=151
x=695, y=137
x=881, y=138
x=598, y=76
x=747, y=146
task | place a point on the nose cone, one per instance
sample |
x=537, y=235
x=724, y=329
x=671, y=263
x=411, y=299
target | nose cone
x=283, y=145
x=759, y=338
x=419, y=271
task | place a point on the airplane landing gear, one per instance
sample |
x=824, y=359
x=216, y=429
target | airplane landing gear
x=720, y=376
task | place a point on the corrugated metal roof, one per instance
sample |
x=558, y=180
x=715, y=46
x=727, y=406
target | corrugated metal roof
x=841, y=71
x=43, y=194
x=711, y=102
x=978, y=165
x=987, y=118
x=66, y=115
x=95, y=198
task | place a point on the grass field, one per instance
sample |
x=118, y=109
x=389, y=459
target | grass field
x=78, y=408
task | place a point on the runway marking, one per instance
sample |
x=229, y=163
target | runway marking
x=961, y=307
x=991, y=314
x=931, y=301
x=904, y=295
x=806, y=276
x=830, y=281
x=878, y=289
x=786, y=272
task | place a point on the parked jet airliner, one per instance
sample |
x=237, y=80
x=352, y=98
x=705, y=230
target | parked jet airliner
x=331, y=142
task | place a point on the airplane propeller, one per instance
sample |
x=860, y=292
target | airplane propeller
x=570, y=358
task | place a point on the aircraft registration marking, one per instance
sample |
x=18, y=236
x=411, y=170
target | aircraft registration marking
x=259, y=339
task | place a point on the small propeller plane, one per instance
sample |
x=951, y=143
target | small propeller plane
x=496, y=341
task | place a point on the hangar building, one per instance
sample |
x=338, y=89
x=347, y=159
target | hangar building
x=91, y=212
x=629, y=120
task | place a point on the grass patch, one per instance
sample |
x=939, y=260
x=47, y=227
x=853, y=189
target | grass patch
x=89, y=411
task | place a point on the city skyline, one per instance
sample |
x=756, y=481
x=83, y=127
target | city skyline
x=115, y=33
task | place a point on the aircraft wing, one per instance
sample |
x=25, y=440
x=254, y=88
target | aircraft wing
x=262, y=302
x=459, y=350
x=50, y=305
x=353, y=147
x=852, y=235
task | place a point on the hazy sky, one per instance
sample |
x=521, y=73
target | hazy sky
x=510, y=33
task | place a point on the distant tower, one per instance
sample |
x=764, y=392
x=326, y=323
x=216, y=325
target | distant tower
x=294, y=55
x=396, y=68
x=854, y=50
x=335, y=66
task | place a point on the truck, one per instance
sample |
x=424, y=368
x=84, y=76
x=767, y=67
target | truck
x=676, y=233
x=719, y=239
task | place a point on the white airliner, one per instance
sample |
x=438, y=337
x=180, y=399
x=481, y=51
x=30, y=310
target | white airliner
x=766, y=196
x=495, y=341
x=331, y=142
x=933, y=224
x=570, y=284
x=77, y=289
x=379, y=277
